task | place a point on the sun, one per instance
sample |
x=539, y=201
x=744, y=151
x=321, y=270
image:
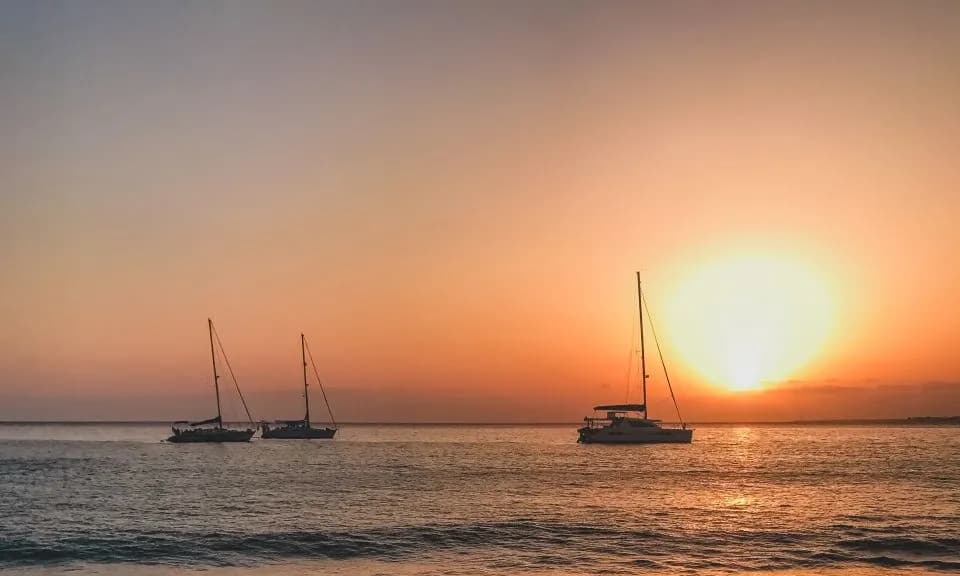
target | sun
x=746, y=320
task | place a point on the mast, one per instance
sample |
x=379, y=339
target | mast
x=216, y=378
x=306, y=397
x=643, y=360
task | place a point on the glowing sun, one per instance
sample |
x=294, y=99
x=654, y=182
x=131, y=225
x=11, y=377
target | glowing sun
x=747, y=320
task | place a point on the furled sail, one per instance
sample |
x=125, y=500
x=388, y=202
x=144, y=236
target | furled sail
x=621, y=407
x=214, y=420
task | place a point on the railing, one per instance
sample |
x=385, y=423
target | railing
x=602, y=422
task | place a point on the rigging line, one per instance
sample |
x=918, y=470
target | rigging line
x=662, y=363
x=319, y=383
x=232, y=376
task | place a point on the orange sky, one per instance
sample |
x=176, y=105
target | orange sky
x=451, y=199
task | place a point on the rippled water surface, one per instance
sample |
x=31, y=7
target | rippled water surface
x=480, y=500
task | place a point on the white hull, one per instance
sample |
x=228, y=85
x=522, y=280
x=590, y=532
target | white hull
x=615, y=434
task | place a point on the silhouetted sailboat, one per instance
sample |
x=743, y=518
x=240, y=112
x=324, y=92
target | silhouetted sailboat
x=623, y=423
x=198, y=431
x=302, y=429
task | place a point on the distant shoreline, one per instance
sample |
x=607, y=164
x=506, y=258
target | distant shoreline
x=909, y=421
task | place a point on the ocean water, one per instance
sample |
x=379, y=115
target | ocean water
x=115, y=499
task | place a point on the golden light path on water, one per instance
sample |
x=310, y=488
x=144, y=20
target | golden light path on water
x=742, y=320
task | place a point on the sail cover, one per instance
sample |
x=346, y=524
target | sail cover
x=621, y=407
x=214, y=420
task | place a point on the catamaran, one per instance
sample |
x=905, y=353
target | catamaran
x=628, y=423
x=202, y=431
x=302, y=429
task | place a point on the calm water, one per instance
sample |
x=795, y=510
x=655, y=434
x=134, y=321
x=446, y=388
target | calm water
x=480, y=500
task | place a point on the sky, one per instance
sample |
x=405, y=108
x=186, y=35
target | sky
x=451, y=199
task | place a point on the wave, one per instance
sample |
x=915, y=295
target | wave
x=903, y=544
x=524, y=543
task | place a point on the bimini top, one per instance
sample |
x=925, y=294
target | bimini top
x=621, y=407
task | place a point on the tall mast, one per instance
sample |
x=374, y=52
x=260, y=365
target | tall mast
x=643, y=360
x=303, y=358
x=216, y=378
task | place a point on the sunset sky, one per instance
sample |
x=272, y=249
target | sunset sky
x=451, y=200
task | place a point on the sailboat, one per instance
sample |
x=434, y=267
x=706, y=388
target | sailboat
x=202, y=431
x=629, y=423
x=302, y=429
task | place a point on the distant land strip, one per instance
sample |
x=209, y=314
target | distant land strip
x=912, y=420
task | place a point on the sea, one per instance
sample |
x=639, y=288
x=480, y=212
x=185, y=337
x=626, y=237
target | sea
x=480, y=500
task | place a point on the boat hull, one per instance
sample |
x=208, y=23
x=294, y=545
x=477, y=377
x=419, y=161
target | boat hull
x=298, y=434
x=642, y=436
x=210, y=435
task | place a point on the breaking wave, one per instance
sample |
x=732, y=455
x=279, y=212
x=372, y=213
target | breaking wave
x=529, y=543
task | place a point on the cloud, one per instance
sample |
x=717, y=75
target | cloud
x=798, y=400
x=794, y=400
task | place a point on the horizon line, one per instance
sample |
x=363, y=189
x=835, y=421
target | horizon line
x=906, y=419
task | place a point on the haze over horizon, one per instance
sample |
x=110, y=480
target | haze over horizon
x=451, y=200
